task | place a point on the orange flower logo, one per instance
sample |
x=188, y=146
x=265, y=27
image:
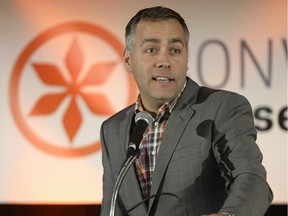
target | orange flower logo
x=69, y=82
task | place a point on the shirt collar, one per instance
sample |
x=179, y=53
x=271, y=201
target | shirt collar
x=168, y=106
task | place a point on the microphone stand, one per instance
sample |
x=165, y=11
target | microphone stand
x=120, y=178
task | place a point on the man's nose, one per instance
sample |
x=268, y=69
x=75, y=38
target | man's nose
x=163, y=60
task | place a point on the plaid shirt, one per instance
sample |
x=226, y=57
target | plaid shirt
x=149, y=147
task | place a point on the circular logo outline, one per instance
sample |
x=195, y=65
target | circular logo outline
x=21, y=62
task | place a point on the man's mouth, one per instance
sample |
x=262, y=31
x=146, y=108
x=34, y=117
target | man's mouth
x=162, y=79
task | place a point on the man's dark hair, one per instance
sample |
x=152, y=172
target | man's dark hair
x=153, y=14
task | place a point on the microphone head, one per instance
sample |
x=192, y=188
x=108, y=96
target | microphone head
x=143, y=120
x=146, y=116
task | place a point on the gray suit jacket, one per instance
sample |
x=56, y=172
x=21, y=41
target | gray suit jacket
x=208, y=159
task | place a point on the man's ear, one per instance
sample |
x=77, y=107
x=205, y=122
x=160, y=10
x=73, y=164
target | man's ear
x=127, y=60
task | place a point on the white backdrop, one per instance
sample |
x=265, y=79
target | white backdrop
x=62, y=75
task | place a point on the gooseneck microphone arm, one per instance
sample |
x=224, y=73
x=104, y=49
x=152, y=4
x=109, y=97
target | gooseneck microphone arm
x=143, y=120
x=121, y=175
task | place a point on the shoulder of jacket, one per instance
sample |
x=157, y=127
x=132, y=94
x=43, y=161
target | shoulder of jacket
x=205, y=92
x=118, y=116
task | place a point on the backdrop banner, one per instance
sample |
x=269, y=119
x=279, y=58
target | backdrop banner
x=62, y=75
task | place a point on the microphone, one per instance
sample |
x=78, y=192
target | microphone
x=143, y=120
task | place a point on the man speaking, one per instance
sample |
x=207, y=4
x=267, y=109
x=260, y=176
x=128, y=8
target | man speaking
x=198, y=156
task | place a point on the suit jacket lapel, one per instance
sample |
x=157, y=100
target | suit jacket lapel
x=175, y=128
x=178, y=120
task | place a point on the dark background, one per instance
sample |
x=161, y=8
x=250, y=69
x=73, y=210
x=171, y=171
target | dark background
x=86, y=210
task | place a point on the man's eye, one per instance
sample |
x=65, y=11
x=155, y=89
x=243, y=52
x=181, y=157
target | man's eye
x=150, y=50
x=175, y=51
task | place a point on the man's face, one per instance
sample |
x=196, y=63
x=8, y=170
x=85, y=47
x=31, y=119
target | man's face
x=158, y=61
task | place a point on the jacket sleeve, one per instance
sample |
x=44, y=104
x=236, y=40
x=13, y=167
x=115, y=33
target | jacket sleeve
x=240, y=159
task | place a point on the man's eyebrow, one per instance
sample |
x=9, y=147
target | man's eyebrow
x=155, y=40
x=176, y=40
x=152, y=40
